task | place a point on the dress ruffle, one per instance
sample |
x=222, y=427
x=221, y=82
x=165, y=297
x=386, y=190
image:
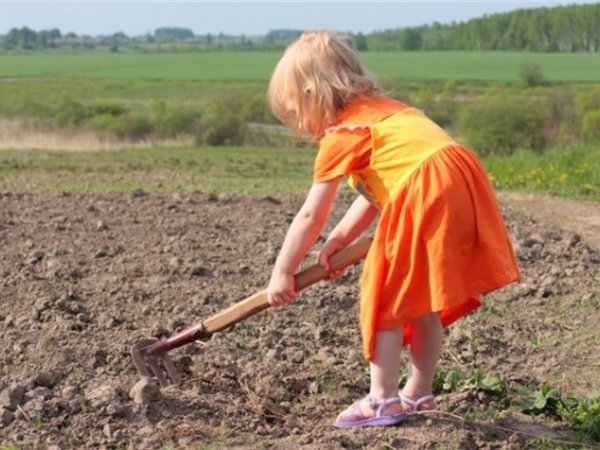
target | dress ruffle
x=348, y=127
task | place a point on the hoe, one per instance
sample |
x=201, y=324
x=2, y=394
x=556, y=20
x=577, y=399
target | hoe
x=151, y=358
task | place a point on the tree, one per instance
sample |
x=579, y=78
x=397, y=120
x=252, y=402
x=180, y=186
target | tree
x=21, y=38
x=167, y=34
x=281, y=37
x=360, y=41
x=410, y=39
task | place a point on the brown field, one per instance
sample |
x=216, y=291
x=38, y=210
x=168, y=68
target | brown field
x=84, y=277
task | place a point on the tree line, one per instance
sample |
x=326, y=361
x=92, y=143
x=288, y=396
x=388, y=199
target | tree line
x=574, y=28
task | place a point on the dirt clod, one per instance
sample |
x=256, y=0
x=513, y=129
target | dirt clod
x=12, y=397
x=6, y=416
x=102, y=396
x=145, y=392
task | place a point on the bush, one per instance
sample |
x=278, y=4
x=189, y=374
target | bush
x=439, y=107
x=111, y=109
x=530, y=73
x=579, y=123
x=132, y=128
x=101, y=124
x=172, y=122
x=590, y=127
x=588, y=101
x=256, y=109
x=71, y=113
x=122, y=127
x=500, y=125
x=563, y=122
x=220, y=126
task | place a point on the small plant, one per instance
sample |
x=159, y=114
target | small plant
x=544, y=400
x=38, y=420
x=582, y=413
x=536, y=341
x=454, y=380
x=492, y=384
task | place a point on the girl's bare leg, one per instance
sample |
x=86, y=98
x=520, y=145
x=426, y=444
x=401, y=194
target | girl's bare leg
x=425, y=351
x=385, y=371
x=385, y=368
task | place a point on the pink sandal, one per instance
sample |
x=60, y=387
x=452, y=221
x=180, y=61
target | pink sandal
x=354, y=417
x=415, y=405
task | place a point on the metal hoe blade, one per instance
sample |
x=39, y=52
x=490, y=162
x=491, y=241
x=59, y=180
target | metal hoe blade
x=154, y=364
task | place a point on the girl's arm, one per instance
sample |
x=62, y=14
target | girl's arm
x=301, y=236
x=356, y=220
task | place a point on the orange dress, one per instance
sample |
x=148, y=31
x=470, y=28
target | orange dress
x=441, y=241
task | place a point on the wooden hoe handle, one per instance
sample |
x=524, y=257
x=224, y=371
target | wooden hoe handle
x=260, y=301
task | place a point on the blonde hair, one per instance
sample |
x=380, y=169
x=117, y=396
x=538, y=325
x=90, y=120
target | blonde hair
x=317, y=76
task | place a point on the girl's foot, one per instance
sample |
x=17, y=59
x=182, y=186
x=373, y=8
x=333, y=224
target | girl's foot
x=417, y=404
x=371, y=412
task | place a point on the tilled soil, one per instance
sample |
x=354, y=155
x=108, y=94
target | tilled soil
x=84, y=277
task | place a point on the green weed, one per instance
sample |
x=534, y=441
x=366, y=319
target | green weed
x=454, y=380
x=581, y=413
x=38, y=420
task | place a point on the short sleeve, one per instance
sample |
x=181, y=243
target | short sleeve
x=340, y=152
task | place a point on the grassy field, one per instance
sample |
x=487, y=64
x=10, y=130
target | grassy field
x=29, y=97
x=568, y=172
x=42, y=86
x=565, y=172
x=257, y=66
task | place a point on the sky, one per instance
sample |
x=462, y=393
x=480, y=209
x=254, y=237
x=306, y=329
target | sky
x=245, y=17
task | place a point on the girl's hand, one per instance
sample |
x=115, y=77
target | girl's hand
x=281, y=289
x=331, y=247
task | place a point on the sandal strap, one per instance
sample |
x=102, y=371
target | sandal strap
x=378, y=405
x=414, y=404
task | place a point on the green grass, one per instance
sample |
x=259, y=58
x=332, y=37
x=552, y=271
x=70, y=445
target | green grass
x=565, y=172
x=257, y=66
x=36, y=97
x=234, y=170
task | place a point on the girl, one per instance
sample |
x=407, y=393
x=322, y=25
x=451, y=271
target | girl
x=440, y=242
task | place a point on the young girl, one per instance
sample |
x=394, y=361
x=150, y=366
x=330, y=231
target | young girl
x=440, y=242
